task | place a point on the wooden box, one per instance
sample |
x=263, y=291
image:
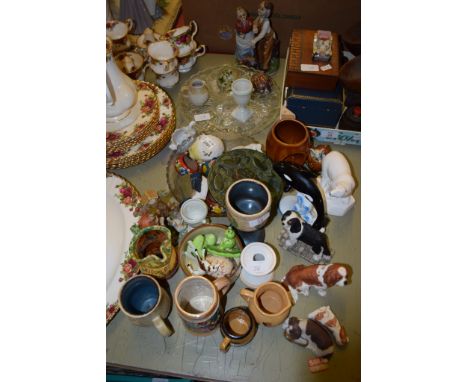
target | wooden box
x=300, y=52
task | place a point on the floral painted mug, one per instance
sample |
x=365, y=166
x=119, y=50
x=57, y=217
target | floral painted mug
x=182, y=38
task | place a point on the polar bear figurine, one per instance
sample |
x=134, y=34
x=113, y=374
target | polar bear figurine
x=337, y=183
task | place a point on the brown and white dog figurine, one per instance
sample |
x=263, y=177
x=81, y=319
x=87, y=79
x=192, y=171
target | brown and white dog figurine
x=316, y=333
x=301, y=278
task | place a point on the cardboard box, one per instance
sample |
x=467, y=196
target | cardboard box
x=215, y=16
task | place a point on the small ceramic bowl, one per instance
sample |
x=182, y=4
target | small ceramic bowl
x=190, y=264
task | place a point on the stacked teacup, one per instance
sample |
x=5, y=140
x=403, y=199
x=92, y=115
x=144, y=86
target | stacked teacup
x=163, y=62
x=187, y=48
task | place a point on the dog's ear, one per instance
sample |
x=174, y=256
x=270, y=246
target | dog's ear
x=295, y=224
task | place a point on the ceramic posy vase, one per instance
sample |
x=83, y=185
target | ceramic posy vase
x=152, y=248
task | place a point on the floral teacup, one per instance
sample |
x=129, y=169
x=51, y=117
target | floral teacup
x=186, y=63
x=182, y=38
x=117, y=31
x=163, y=58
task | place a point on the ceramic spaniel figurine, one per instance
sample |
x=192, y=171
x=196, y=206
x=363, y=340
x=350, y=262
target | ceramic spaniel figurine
x=337, y=183
x=316, y=333
x=301, y=278
x=297, y=229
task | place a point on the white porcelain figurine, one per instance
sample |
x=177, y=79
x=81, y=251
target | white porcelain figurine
x=337, y=183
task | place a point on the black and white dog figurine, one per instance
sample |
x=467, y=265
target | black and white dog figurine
x=298, y=229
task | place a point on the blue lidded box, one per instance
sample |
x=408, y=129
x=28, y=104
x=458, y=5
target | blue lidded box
x=316, y=107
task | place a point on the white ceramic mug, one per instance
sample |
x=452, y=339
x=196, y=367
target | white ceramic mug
x=194, y=212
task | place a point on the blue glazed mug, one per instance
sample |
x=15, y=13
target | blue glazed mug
x=145, y=303
x=197, y=300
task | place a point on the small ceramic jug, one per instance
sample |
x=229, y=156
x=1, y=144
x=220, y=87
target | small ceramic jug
x=196, y=92
x=270, y=303
x=152, y=248
x=197, y=300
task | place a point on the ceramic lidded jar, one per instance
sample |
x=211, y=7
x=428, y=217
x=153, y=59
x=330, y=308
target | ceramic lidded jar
x=258, y=262
x=288, y=141
x=153, y=250
x=248, y=204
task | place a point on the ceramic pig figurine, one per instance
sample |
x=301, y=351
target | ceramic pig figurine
x=316, y=333
x=301, y=278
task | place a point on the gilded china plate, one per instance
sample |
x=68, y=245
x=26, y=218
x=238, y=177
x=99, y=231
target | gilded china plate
x=121, y=200
x=158, y=138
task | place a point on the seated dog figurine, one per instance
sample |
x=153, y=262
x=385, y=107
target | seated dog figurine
x=298, y=230
x=316, y=334
x=301, y=278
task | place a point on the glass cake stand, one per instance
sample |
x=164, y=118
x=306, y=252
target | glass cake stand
x=220, y=104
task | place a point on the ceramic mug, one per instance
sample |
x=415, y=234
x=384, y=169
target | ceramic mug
x=194, y=212
x=196, y=92
x=153, y=250
x=238, y=327
x=186, y=63
x=289, y=141
x=197, y=300
x=248, y=204
x=270, y=303
x=145, y=303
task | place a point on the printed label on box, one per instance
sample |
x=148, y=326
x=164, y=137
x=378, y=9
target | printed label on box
x=325, y=67
x=309, y=68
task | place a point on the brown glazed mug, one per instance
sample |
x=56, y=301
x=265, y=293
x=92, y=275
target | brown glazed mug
x=238, y=327
x=197, y=300
x=145, y=303
x=289, y=141
x=270, y=303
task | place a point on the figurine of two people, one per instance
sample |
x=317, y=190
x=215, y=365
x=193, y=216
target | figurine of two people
x=256, y=42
